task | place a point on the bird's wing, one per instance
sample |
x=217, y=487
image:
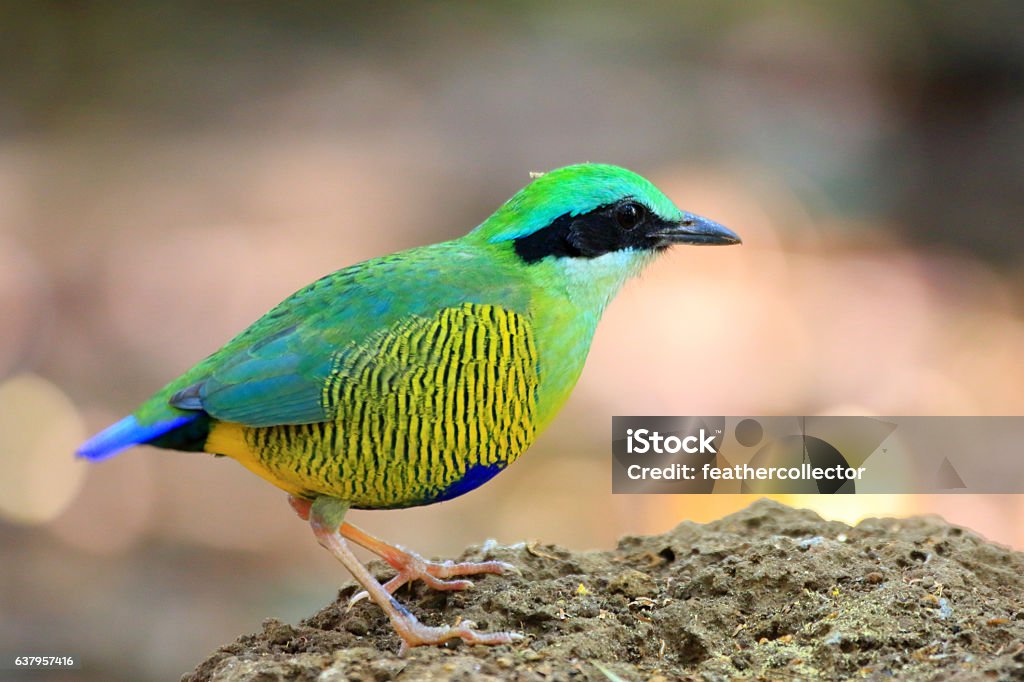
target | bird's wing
x=280, y=370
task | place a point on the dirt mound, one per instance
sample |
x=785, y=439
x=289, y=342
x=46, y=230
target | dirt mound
x=767, y=593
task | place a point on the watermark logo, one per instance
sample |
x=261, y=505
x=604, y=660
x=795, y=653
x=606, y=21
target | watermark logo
x=817, y=455
x=641, y=441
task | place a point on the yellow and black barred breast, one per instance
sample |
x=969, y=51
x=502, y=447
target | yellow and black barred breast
x=423, y=411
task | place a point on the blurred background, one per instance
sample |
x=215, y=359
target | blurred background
x=169, y=171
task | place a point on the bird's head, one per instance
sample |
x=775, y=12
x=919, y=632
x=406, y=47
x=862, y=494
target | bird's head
x=595, y=222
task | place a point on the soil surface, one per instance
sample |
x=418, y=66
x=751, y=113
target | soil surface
x=767, y=593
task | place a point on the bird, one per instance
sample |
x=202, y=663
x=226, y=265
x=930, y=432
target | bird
x=414, y=378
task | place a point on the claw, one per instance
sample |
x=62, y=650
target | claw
x=508, y=568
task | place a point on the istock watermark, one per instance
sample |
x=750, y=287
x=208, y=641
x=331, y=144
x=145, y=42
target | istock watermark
x=817, y=455
x=641, y=441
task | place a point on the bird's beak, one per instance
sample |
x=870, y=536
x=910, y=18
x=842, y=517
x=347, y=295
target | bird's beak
x=692, y=229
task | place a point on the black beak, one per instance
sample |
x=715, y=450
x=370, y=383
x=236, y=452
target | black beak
x=692, y=229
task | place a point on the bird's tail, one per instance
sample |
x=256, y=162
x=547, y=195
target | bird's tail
x=128, y=432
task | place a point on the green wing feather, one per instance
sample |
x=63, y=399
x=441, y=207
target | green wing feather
x=274, y=372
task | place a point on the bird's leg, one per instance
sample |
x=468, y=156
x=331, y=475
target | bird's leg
x=410, y=566
x=325, y=517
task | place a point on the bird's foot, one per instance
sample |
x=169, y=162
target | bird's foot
x=414, y=633
x=326, y=518
x=411, y=566
x=435, y=575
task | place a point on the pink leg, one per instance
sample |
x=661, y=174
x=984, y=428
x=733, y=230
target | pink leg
x=410, y=566
x=325, y=515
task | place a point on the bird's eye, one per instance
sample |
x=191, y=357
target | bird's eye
x=629, y=215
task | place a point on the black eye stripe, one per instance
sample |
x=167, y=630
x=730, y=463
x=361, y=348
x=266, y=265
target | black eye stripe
x=593, y=234
x=552, y=240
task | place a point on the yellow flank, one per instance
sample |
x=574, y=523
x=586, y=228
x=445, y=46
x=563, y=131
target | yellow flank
x=415, y=407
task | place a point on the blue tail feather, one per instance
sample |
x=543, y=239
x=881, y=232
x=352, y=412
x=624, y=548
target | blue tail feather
x=126, y=433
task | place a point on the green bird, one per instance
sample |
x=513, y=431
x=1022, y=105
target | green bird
x=417, y=377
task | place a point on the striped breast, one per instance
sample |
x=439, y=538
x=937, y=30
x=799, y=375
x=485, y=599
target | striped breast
x=424, y=411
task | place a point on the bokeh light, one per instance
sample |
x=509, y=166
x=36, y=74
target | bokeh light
x=39, y=426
